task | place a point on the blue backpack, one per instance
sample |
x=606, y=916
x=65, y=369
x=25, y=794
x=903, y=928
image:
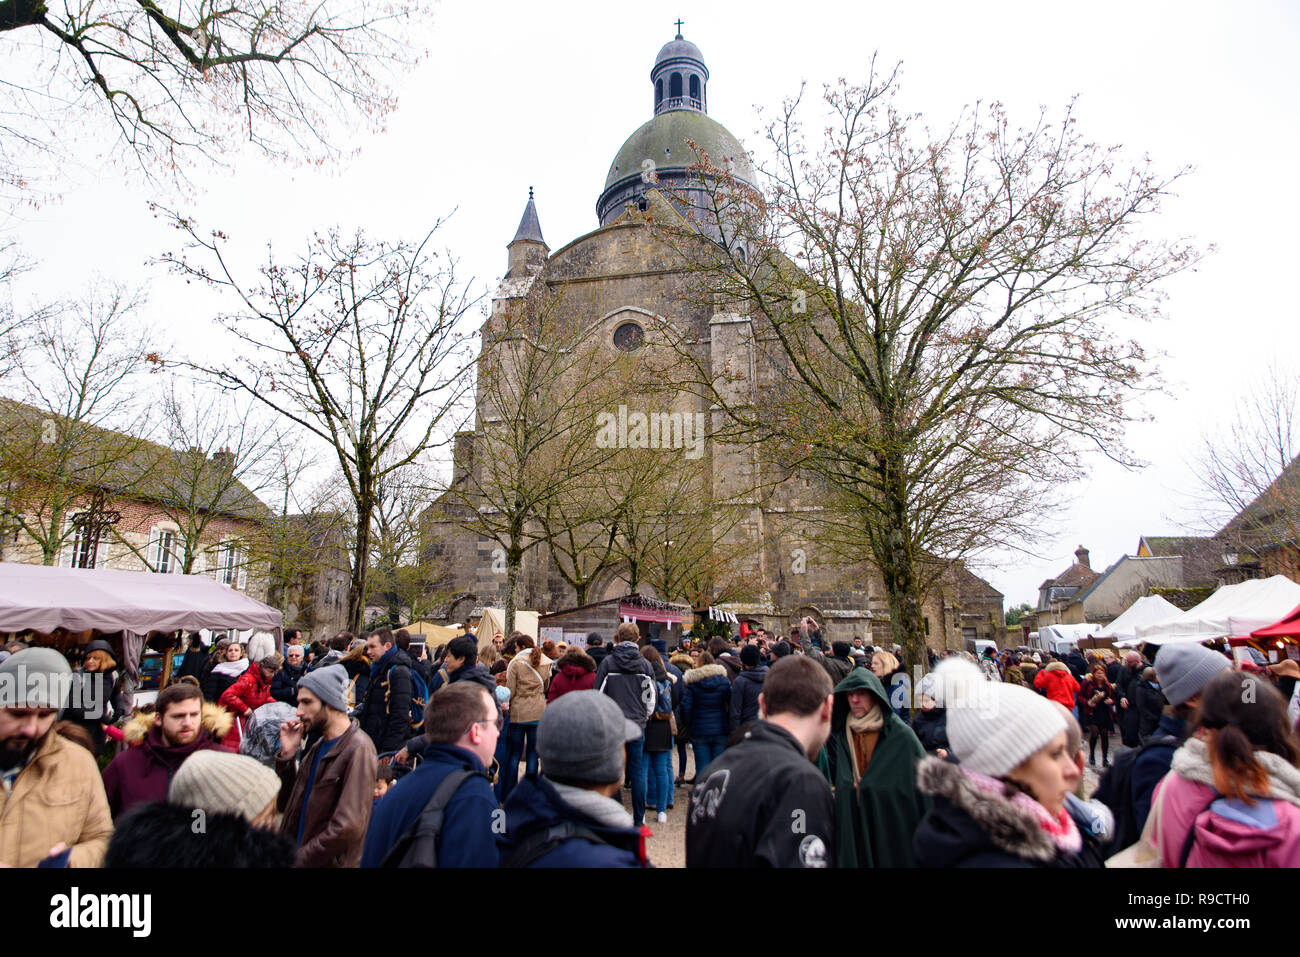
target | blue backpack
x=664, y=699
x=419, y=698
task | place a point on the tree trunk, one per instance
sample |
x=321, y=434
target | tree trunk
x=580, y=589
x=360, y=566
x=897, y=564
x=514, y=560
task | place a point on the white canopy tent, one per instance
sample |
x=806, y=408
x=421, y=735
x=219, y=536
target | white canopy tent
x=42, y=598
x=1144, y=611
x=1057, y=638
x=1231, y=611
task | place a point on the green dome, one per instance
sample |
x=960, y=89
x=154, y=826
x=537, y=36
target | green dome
x=663, y=140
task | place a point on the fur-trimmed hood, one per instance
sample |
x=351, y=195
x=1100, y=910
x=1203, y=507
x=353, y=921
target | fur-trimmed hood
x=703, y=672
x=576, y=656
x=214, y=718
x=1192, y=761
x=682, y=661
x=976, y=824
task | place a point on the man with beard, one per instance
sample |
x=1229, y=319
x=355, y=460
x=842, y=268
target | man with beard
x=181, y=724
x=328, y=797
x=52, y=805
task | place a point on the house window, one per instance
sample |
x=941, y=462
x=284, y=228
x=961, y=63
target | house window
x=228, y=564
x=166, y=562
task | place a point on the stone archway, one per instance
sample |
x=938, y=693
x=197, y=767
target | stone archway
x=458, y=608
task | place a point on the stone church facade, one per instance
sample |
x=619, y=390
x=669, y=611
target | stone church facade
x=619, y=278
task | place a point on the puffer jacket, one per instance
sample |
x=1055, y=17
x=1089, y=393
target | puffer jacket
x=162, y=835
x=577, y=672
x=222, y=676
x=1229, y=831
x=744, y=695
x=143, y=771
x=706, y=700
x=57, y=797
x=1056, y=682
x=249, y=692
x=527, y=686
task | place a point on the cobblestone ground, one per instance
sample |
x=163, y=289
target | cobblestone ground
x=667, y=848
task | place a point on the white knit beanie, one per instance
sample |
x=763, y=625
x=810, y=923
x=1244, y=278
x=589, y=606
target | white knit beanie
x=993, y=727
x=219, y=782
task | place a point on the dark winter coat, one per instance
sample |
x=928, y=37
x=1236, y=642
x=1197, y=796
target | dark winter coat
x=741, y=814
x=385, y=712
x=875, y=821
x=1078, y=666
x=744, y=695
x=731, y=664
x=358, y=670
x=143, y=771
x=158, y=835
x=284, y=686
x=598, y=653
x=706, y=701
x=931, y=728
x=216, y=683
x=1149, y=706
x=338, y=809
x=100, y=701
x=1153, y=764
x=534, y=803
x=1100, y=715
x=469, y=671
x=193, y=665
x=627, y=677
x=969, y=827
x=466, y=839
x=577, y=672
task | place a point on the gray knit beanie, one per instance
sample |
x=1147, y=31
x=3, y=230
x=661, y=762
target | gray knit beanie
x=1185, y=667
x=219, y=782
x=993, y=727
x=330, y=684
x=35, y=678
x=581, y=737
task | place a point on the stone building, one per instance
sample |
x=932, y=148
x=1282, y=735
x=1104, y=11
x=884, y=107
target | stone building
x=124, y=503
x=622, y=284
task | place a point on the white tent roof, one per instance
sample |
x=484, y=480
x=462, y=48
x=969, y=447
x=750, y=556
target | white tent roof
x=1232, y=610
x=1144, y=611
x=43, y=598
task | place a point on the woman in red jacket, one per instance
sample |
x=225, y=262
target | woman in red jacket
x=1056, y=682
x=250, y=691
x=575, y=671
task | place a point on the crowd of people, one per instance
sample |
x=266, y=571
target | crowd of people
x=377, y=751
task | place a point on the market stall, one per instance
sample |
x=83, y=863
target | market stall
x=1233, y=611
x=1144, y=611
x=84, y=602
x=653, y=618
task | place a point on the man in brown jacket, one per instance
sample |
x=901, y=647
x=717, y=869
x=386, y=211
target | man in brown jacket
x=327, y=798
x=52, y=803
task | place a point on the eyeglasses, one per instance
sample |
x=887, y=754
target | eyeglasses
x=499, y=721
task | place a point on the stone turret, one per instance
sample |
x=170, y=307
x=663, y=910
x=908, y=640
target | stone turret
x=528, y=250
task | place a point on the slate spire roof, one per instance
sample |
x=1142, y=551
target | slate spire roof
x=530, y=230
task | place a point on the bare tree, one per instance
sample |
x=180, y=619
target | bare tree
x=190, y=80
x=1249, y=477
x=361, y=343
x=74, y=425
x=947, y=318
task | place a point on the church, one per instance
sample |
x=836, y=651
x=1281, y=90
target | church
x=623, y=283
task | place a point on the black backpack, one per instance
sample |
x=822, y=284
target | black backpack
x=1115, y=790
x=418, y=847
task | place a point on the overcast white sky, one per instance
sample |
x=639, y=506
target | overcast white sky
x=519, y=94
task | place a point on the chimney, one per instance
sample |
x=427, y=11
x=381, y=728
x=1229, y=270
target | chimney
x=225, y=460
x=1081, y=557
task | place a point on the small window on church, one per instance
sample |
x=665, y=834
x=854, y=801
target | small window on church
x=675, y=85
x=695, y=86
x=642, y=204
x=659, y=92
x=629, y=337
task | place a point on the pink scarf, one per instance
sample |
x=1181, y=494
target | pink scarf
x=1061, y=828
